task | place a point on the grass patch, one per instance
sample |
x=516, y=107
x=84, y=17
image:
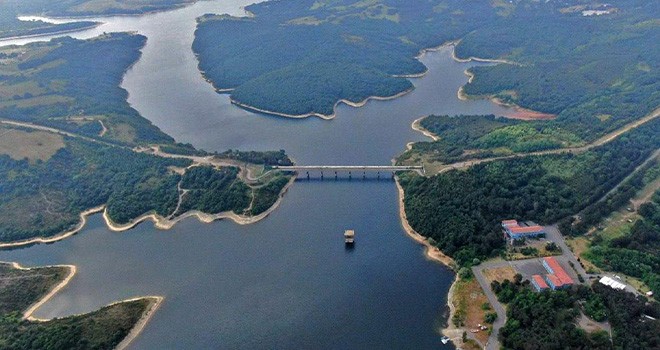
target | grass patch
x=35, y=145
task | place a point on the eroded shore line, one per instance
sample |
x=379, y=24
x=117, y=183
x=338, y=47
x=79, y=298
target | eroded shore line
x=314, y=114
x=27, y=315
x=166, y=224
x=59, y=32
x=432, y=253
x=418, y=127
x=159, y=221
x=154, y=303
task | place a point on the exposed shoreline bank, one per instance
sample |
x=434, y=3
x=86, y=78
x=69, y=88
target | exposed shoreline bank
x=434, y=254
x=159, y=221
x=58, y=32
x=154, y=303
x=418, y=127
x=314, y=114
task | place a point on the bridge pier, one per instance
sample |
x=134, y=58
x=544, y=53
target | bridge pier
x=349, y=175
x=335, y=175
x=321, y=175
x=308, y=175
x=364, y=175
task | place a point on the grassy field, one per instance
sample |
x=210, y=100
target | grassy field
x=470, y=302
x=35, y=145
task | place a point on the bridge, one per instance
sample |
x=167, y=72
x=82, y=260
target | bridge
x=352, y=169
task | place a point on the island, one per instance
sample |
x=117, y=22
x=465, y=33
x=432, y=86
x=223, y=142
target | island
x=23, y=290
x=73, y=146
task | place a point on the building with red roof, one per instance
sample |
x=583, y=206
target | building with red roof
x=557, y=277
x=539, y=283
x=513, y=230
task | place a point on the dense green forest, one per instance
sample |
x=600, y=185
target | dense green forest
x=214, y=191
x=69, y=84
x=299, y=57
x=461, y=210
x=547, y=320
x=544, y=320
x=101, y=329
x=481, y=136
x=595, y=72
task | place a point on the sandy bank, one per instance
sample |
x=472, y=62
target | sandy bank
x=159, y=221
x=320, y=115
x=154, y=304
x=57, y=32
x=27, y=315
x=81, y=224
x=418, y=127
x=166, y=224
x=432, y=253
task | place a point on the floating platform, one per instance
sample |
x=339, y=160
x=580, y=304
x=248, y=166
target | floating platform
x=349, y=236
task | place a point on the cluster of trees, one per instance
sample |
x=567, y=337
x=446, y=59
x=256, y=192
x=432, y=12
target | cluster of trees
x=20, y=288
x=102, y=329
x=45, y=198
x=547, y=320
x=543, y=320
x=303, y=56
x=486, y=136
x=213, y=191
x=80, y=77
x=268, y=158
x=579, y=67
x=461, y=210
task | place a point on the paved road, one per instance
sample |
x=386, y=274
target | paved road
x=493, y=343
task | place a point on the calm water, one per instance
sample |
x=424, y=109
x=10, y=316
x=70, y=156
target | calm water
x=287, y=281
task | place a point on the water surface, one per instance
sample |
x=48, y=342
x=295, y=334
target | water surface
x=287, y=281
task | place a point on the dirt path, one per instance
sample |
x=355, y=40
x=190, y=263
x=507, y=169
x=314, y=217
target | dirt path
x=574, y=150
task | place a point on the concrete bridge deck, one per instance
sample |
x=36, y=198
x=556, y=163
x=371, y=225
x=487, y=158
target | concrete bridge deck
x=352, y=168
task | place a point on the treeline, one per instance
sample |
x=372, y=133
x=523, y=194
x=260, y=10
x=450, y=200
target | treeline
x=45, y=198
x=303, y=56
x=102, y=329
x=267, y=158
x=481, y=136
x=461, y=210
x=596, y=72
x=69, y=77
x=547, y=320
x=213, y=191
x=21, y=288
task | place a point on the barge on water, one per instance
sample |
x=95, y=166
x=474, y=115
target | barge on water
x=349, y=237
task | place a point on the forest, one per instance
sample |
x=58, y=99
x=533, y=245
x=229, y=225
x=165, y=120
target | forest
x=298, y=57
x=547, y=320
x=465, y=137
x=545, y=189
x=596, y=73
x=101, y=329
x=64, y=81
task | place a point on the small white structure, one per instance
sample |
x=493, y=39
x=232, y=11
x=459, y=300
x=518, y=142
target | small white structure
x=612, y=283
x=649, y=294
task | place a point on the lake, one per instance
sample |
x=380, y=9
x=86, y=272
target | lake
x=287, y=281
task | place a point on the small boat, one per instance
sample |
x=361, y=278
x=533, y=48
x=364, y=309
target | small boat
x=349, y=237
x=444, y=340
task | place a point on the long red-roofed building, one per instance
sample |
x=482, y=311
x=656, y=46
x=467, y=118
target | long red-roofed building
x=513, y=230
x=557, y=277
